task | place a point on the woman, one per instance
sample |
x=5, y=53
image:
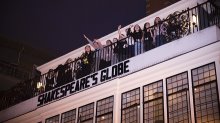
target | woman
x=87, y=61
x=50, y=80
x=148, y=40
x=60, y=75
x=68, y=71
x=137, y=35
x=120, y=48
x=159, y=32
x=97, y=53
x=107, y=55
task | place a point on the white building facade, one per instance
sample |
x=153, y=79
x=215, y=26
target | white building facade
x=177, y=82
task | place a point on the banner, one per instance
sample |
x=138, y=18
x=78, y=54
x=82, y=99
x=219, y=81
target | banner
x=84, y=83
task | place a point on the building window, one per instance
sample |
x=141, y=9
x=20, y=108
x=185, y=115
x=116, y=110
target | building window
x=104, y=112
x=86, y=113
x=69, y=116
x=205, y=91
x=54, y=119
x=153, y=103
x=130, y=109
x=178, y=99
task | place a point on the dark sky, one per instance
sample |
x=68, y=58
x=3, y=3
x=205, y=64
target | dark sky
x=58, y=25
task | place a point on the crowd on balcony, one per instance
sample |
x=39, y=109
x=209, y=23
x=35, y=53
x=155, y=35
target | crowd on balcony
x=135, y=42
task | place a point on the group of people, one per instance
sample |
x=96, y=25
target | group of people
x=135, y=42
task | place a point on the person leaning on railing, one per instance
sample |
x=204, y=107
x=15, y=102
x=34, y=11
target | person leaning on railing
x=68, y=72
x=159, y=32
x=121, y=46
x=50, y=80
x=148, y=39
x=87, y=61
x=60, y=75
x=77, y=68
x=107, y=55
x=97, y=53
x=137, y=35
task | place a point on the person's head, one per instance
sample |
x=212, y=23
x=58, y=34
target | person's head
x=108, y=42
x=146, y=26
x=50, y=72
x=137, y=28
x=95, y=44
x=121, y=36
x=69, y=60
x=87, y=48
x=115, y=39
x=157, y=20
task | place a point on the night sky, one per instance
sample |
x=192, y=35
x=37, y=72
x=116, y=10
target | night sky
x=58, y=25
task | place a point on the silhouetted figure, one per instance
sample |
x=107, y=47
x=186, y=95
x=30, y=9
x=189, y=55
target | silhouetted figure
x=50, y=80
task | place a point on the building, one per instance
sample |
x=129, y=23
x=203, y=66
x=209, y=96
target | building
x=176, y=81
x=18, y=61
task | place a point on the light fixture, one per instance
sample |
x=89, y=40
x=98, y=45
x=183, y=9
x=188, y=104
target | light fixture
x=39, y=85
x=194, y=20
x=103, y=117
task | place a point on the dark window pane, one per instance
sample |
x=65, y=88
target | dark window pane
x=153, y=103
x=54, y=119
x=205, y=91
x=131, y=106
x=178, y=99
x=69, y=117
x=104, y=112
x=86, y=113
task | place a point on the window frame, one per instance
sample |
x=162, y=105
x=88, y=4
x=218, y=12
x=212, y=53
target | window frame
x=112, y=112
x=193, y=87
x=138, y=88
x=67, y=112
x=153, y=99
x=180, y=91
x=58, y=115
x=84, y=106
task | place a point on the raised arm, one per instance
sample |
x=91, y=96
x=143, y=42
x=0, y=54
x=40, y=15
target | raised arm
x=90, y=41
x=121, y=36
x=119, y=30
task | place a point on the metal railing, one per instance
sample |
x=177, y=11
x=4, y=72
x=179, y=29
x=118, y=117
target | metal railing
x=175, y=26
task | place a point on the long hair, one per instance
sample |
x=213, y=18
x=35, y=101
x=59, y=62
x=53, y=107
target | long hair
x=145, y=29
x=138, y=30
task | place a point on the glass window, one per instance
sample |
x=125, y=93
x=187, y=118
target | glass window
x=205, y=93
x=178, y=99
x=104, y=112
x=131, y=106
x=153, y=103
x=86, y=113
x=54, y=119
x=69, y=117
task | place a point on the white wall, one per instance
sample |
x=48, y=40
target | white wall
x=185, y=62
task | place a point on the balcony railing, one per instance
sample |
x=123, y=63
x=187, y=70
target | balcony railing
x=175, y=26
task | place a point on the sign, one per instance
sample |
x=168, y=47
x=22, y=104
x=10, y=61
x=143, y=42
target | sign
x=84, y=83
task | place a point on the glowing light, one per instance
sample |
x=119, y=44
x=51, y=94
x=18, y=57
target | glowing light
x=39, y=85
x=194, y=20
x=103, y=117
